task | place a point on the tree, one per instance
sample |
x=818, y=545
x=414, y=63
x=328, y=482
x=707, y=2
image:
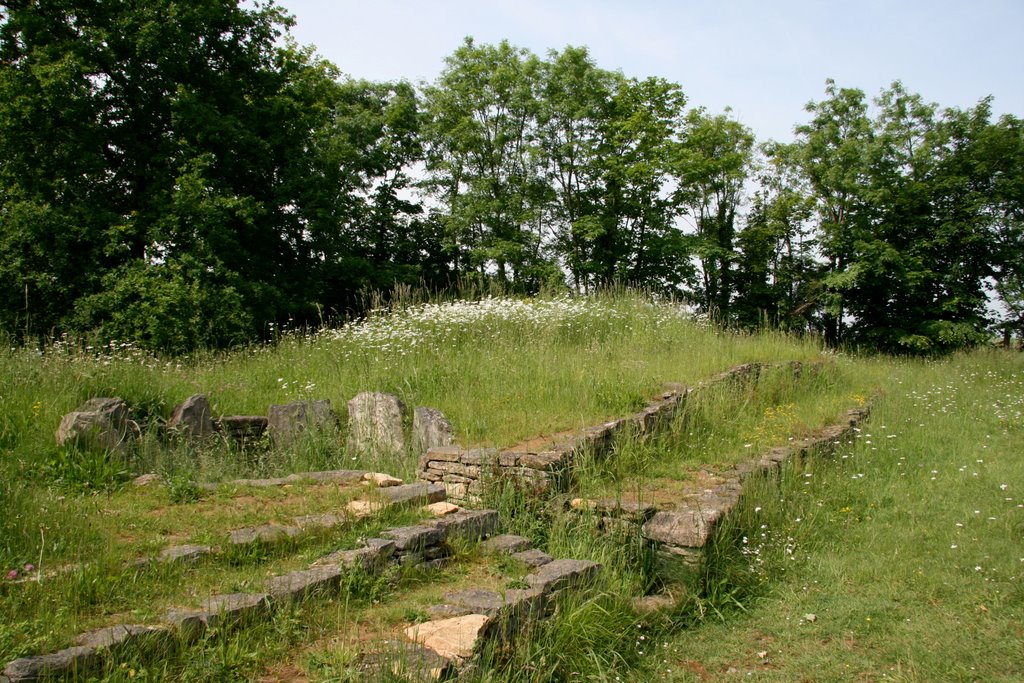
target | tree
x=712, y=164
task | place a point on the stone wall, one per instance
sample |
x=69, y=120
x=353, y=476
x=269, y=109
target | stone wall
x=548, y=463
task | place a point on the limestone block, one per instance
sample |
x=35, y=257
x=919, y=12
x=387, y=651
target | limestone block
x=267, y=533
x=471, y=525
x=381, y=480
x=453, y=638
x=192, y=418
x=286, y=422
x=505, y=543
x=241, y=427
x=441, y=509
x=301, y=584
x=186, y=554
x=414, y=494
x=65, y=663
x=560, y=574
x=376, y=424
x=364, y=508
x=414, y=538
x=99, y=424
x=126, y=635
x=372, y=558
x=686, y=527
x=533, y=557
x=430, y=428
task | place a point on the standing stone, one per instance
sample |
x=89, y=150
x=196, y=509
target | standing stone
x=286, y=422
x=98, y=424
x=430, y=429
x=192, y=418
x=375, y=424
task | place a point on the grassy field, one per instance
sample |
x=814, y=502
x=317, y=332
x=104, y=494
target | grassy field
x=898, y=559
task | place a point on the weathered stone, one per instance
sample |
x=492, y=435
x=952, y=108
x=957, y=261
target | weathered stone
x=470, y=525
x=441, y=509
x=364, y=508
x=430, y=428
x=450, y=478
x=508, y=458
x=192, y=418
x=144, y=480
x=453, y=638
x=125, y=635
x=267, y=533
x=479, y=457
x=471, y=471
x=407, y=661
x=414, y=494
x=324, y=521
x=71, y=661
x=505, y=543
x=376, y=424
x=301, y=584
x=220, y=610
x=542, y=461
x=372, y=558
x=381, y=480
x=241, y=427
x=457, y=491
x=414, y=538
x=561, y=574
x=686, y=527
x=186, y=554
x=533, y=557
x=508, y=607
x=445, y=453
x=430, y=475
x=99, y=424
x=338, y=476
x=285, y=423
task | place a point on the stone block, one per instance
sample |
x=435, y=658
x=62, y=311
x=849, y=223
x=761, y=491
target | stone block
x=337, y=476
x=414, y=538
x=381, y=480
x=542, y=461
x=99, y=424
x=267, y=533
x=192, y=418
x=441, y=509
x=533, y=557
x=414, y=494
x=371, y=559
x=220, y=611
x=300, y=585
x=505, y=543
x=121, y=636
x=324, y=521
x=285, y=423
x=444, y=453
x=66, y=663
x=686, y=527
x=455, y=638
x=376, y=424
x=406, y=662
x=364, y=508
x=185, y=554
x=430, y=429
x=479, y=457
x=470, y=525
x=561, y=574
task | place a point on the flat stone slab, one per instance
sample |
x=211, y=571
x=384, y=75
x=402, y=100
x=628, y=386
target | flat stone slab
x=441, y=509
x=325, y=521
x=453, y=638
x=408, y=661
x=471, y=525
x=413, y=538
x=63, y=663
x=686, y=527
x=364, y=508
x=414, y=494
x=301, y=584
x=371, y=558
x=267, y=533
x=230, y=608
x=185, y=554
x=501, y=605
x=533, y=557
x=505, y=543
x=381, y=480
x=560, y=574
x=124, y=635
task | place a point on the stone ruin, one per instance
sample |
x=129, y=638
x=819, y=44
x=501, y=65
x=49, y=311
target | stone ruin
x=376, y=425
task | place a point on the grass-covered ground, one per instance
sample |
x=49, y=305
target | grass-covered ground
x=905, y=548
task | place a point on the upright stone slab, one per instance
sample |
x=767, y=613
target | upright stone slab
x=99, y=424
x=376, y=424
x=430, y=429
x=285, y=423
x=192, y=418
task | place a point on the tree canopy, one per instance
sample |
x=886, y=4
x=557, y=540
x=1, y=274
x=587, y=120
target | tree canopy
x=184, y=175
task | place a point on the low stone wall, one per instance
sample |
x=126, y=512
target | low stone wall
x=548, y=463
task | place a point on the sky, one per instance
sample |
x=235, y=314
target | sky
x=763, y=58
